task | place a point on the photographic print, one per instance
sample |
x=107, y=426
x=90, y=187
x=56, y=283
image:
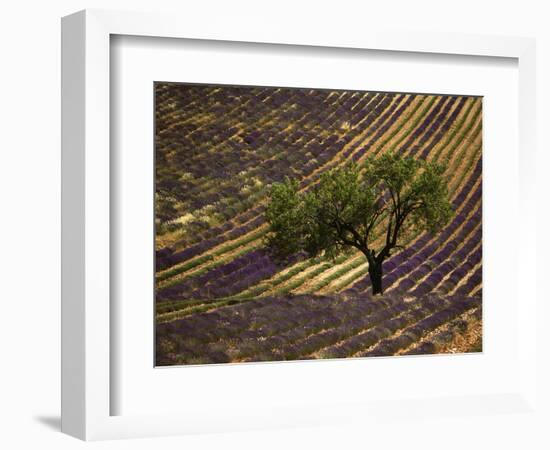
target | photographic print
x=303, y=223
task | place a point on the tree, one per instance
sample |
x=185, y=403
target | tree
x=371, y=208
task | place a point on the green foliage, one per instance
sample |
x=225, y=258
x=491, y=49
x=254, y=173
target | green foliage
x=417, y=189
x=287, y=218
x=343, y=209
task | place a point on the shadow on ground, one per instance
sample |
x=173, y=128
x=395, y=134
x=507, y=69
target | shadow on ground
x=51, y=422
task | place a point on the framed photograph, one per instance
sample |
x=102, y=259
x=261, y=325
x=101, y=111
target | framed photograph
x=267, y=228
x=325, y=215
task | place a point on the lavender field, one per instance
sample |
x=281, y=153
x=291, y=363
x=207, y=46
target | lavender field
x=222, y=297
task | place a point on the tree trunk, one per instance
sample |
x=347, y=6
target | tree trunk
x=375, y=273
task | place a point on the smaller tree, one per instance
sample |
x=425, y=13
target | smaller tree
x=369, y=208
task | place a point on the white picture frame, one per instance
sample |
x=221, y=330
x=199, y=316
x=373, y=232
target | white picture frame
x=86, y=284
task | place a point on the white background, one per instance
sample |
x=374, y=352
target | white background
x=29, y=177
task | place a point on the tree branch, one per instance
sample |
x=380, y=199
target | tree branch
x=354, y=233
x=395, y=207
x=372, y=223
x=341, y=235
x=389, y=230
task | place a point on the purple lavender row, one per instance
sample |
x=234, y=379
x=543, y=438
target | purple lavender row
x=184, y=162
x=427, y=149
x=432, y=253
x=248, y=277
x=337, y=337
x=374, y=120
x=395, y=116
x=277, y=334
x=255, y=269
x=260, y=104
x=427, y=129
x=383, y=127
x=223, y=280
x=257, y=259
x=190, y=284
x=438, y=251
x=456, y=272
x=318, y=328
x=452, y=329
x=228, y=108
x=278, y=171
x=173, y=136
x=422, y=128
x=323, y=157
x=442, y=121
x=274, y=141
x=369, y=122
x=390, y=264
x=165, y=258
x=163, y=264
x=192, y=98
x=416, y=269
x=436, y=275
x=384, y=328
x=415, y=332
x=366, y=147
x=234, y=323
x=472, y=282
x=275, y=315
x=394, y=261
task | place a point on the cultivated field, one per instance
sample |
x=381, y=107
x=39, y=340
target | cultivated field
x=221, y=297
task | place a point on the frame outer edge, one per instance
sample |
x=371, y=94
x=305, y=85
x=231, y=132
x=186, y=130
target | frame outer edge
x=97, y=389
x=527, y=107
x=85, y=123
x=73, y=81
